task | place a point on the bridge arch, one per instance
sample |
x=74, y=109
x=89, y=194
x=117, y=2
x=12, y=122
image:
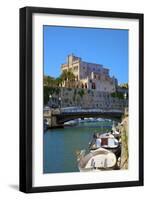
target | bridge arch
x=65, y=117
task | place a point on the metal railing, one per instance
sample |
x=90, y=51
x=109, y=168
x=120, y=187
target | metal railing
x=82, y=110
x=90, y=110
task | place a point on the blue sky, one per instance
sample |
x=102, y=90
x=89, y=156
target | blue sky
x=108, y=47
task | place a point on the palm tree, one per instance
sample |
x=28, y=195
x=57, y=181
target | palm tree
x=51, y=81
x=48, y=80
x=68, y=77
x=59, y=81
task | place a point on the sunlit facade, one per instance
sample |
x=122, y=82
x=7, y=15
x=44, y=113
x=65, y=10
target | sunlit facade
x=89, y=75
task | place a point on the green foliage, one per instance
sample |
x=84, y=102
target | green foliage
x=69, y=77
x=74, y=95
x=81, y=93
x=49, y=81
x=75, y=91
x=52, y=82
x=45, y=97
x=118, y=95
x=58, y=81
x=124, y=85
x=49, y=91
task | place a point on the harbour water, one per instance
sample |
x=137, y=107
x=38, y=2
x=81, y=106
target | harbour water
x=60, y=145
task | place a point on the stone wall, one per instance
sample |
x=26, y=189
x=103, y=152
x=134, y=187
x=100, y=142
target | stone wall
x=84, y=98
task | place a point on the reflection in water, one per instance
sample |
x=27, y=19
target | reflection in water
x=60, y=145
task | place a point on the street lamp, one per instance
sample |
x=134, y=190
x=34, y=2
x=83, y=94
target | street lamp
x=125, y=95
x=60, y=102
x=50, y=97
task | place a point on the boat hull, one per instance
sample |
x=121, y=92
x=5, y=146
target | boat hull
x=100, y=159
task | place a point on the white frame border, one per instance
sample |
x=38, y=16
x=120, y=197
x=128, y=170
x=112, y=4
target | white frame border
x=132, y=174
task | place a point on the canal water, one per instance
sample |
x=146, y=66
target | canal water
x=60, y=145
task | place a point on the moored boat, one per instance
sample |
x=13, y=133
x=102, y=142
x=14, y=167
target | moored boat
x=107, y=141
x=97, y=160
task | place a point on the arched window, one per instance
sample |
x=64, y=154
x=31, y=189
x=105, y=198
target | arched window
x=85, y=85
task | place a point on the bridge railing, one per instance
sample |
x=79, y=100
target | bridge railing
x=48, y=111
x=90, y=110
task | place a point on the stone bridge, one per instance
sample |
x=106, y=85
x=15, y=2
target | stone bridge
x=57, y=117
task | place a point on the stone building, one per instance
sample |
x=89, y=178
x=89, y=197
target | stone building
x=89, y=75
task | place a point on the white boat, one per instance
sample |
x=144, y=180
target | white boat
x=107, y=140
x=71, y=122
x=100, y=159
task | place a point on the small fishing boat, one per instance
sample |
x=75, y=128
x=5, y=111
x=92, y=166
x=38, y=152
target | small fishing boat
x=107, y=141
x=98, y=160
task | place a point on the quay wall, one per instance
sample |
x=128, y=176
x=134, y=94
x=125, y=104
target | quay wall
x=83, y=98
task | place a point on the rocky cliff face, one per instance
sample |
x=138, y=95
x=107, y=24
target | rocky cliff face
x=124, y=140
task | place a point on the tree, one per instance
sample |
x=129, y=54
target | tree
x=124, y=85
x=49, y=81
x=68, y=77
x=59, y=81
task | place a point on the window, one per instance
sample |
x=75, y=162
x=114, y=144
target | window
x=93, y=86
